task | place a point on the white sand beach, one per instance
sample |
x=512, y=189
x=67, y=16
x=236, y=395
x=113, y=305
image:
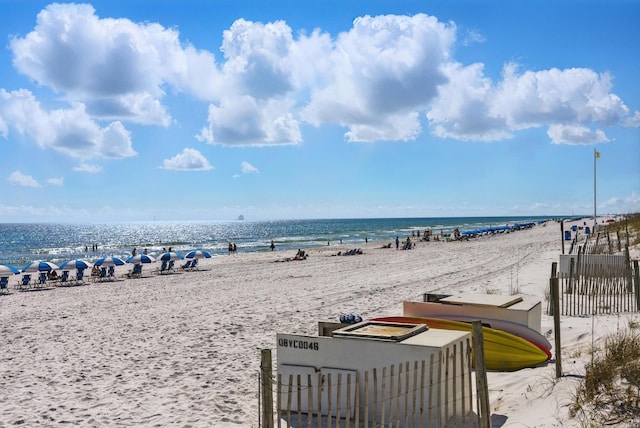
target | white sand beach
x=183, y=350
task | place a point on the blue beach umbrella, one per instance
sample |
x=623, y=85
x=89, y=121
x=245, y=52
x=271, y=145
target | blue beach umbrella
x=140, y=258
x=109, y=261
x=197, y=254
x=39, y=267
x=74, y=264
x=171, y=255
x=8, y=270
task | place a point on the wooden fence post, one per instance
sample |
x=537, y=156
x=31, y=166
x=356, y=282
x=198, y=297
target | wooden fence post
x=481, y=375
x=554, y=285
x=636, y=276
x=267, y=392
x=562, y=234
x=554, y=273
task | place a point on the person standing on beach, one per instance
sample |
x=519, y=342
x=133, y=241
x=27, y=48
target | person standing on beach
x=397, y=243
x=273, y=246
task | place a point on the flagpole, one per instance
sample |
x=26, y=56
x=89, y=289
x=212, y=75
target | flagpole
x=595, y=219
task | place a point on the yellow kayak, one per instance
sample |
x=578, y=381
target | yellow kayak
x=502, y=351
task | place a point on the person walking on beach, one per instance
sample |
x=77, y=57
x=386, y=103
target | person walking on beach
x=273, y=246
x=397, y=243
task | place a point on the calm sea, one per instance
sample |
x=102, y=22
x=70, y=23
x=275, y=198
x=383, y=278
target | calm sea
x=21, y=243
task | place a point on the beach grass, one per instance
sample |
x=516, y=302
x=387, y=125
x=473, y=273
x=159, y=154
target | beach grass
x=609, y=394
x=630, y=224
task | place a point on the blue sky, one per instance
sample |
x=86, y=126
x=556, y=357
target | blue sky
x=205, y=110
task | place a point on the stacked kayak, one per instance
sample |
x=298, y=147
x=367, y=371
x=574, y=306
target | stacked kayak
x=503, y=351
x=510, y=327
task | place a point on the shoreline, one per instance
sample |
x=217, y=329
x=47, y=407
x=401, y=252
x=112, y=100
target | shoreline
x=24, y=243
x=184, y=349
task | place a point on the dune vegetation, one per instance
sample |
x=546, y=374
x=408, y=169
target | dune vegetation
x=609, y=394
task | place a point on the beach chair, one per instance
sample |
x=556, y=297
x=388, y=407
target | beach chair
x=42, y=279
x=4, y=283
x=80, y=276
x=164, y=267
x=137, y=271
x=64, y=278
x=171, y=266
x=194, y=264
x=25, y=282
x=186, y=266
x=103, y=274
x=112, y=273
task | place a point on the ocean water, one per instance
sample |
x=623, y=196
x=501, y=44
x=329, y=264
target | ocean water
x=21, y=243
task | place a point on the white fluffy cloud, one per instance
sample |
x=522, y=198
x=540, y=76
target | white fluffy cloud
x=188, y=160
x=19, y=179
x=462, y=109
x=245, y=120
x=247, y=168
x=575, y=135
x=118, y=68
x=254, y=108
x=70, y=131
x=385, y=69
x=471, y=107
x=55, y=181
x=379, y=80
x=628, y=204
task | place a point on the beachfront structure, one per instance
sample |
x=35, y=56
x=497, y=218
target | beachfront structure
x=520, y=309
x=377, y=373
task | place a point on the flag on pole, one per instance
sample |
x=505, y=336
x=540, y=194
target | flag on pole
x=597, y=154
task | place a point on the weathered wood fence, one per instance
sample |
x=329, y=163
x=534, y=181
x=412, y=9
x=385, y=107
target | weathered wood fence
x=597, y=284
x=600, y=242
x=435, y=392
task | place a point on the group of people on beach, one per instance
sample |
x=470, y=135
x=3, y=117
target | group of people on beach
x=407, y=245
x=94, y=248
x=145, y=251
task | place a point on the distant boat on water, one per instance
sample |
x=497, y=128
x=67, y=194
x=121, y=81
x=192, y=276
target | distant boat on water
x=240, y=217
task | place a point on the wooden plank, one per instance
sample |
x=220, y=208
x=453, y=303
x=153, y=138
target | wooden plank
x=381, y=330
x=310, y=400
x=490, y=300
x=267, y=391
x=299, y=398
x=482, y=387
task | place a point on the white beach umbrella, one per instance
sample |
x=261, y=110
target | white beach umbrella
x=109, y=261
x=197, y=254
x=39, y=267
x=165, y=257
x=140, y=258
x=74, y=264
x=8, y=270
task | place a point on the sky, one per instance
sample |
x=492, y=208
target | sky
x=148, y=110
